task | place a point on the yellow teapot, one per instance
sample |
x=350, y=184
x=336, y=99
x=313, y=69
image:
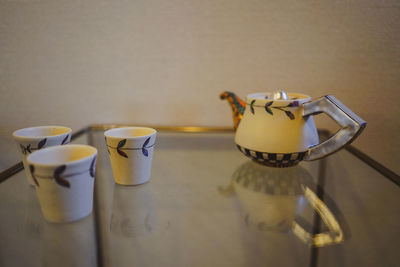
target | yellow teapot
x=277, y=129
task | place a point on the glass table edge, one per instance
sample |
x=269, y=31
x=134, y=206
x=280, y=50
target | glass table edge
x=386, y=172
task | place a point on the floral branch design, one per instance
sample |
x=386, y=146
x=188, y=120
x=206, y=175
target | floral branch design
x=144, y=150
x=42, y=143
x=92, y=169
x=251, y=106
x=65, y=140
x=57, y=176
x=268, y=109
x=283, y=108
x=60, y=170
x=119, y=146
x=28, y=148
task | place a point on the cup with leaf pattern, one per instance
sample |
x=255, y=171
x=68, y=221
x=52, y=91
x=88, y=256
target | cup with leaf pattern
x=35, y=138
x=64, y=177
x=131, y=153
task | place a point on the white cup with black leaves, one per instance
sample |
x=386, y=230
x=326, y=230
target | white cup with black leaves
x=131, y=153
x=64, y=178
x=34, y=138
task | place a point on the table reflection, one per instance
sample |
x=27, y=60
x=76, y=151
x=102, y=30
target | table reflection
x=133, y=212
x=132, y=223
x=34, y=220
x=69, y=244
x=271, y=198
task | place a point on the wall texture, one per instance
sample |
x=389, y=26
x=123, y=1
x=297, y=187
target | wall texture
x=165, y=62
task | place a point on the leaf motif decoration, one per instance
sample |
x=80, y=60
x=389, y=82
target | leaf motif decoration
x=146, y=142
x=289, y=114
x=293, y=104
x=108, y=150
x=23, y=149
x=92, y=167
x=121, y=143
x=61, y=181
x=65, y=140
x=28, y=148
x=267, y=105
x=42, y=143
x=251, y=106
x=145, y=152
x=122, y=153
x=32, y=169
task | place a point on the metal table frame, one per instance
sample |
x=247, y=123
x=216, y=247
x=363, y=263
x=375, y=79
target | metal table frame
x=392, y=176
x=386, y=172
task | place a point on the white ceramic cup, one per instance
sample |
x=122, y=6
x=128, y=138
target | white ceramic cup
x=65, y=181
x=35, y=138
x=131, y=153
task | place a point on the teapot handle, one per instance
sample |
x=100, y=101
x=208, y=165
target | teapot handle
x=352, y=125
x=334, y=234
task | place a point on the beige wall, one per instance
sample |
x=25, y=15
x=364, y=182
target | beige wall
x=165, y=62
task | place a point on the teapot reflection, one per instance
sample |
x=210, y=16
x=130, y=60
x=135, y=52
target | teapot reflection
x=271, y=198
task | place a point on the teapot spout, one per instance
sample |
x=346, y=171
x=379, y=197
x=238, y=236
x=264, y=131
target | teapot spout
x=237, y=105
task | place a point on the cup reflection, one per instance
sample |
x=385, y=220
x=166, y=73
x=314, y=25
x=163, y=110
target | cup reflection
x=70, y=244
x=133, y=212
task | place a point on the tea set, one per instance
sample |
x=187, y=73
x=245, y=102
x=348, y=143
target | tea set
x=273, y=129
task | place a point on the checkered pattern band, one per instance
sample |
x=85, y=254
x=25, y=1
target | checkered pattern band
x=279, y=160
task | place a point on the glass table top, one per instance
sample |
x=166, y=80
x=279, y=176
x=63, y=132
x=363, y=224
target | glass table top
x=208, y=205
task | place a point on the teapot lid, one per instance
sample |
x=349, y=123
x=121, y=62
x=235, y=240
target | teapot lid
x=281, y=97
